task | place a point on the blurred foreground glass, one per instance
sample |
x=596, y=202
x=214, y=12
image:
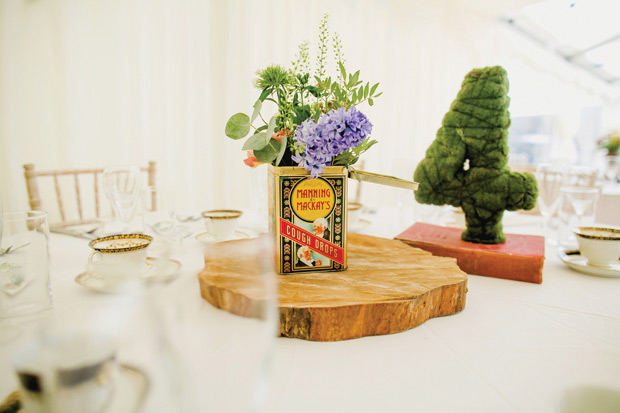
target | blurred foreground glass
x=25, y=290
x=577, y=209
x=72, y=373
x=223, y=358
x=122, y=187
x=550, y=178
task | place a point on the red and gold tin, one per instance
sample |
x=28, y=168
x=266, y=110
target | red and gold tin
x=308, y=218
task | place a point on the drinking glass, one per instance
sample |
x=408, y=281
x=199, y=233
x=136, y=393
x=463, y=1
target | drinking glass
x=158, y=210
x=612, y=168
x=122, y=187
x=577, y=204
x=25, y=290
x=222, y=358
x=581, y=176
x=550, y=179
x=582, y=199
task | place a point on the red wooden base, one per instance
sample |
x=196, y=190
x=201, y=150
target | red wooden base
x=520, y=258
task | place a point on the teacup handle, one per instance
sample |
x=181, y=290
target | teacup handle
x=91, y=258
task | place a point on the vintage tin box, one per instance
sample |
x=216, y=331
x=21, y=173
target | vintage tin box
x=308, y=219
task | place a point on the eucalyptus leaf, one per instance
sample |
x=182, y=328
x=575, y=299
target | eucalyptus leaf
x=238, y=126
x=378, y=94
x=371, y=102
x=255, y=142
x=282, y=150
x=261, y=128
x=269, y=152
x=366, y=90
x=257, y=107
x=271, y=127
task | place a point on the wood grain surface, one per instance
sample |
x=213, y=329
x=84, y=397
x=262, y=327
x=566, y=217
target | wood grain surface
x=389, y=287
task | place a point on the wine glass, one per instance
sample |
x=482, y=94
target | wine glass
x=122, y=187
x=158, y=210
x=550, y=179
x=581, y=176
x=582, y=199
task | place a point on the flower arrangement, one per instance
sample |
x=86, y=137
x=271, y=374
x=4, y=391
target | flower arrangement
x=317, y=123
x=611, y=142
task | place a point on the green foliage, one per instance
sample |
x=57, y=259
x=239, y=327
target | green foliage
x=323, y=46
x=273, y=77
x=238, y=126
x=298, y=97
x=269, y=153
x=302, y=63
x=466, y=165
x=351, y=156
x=338, y=55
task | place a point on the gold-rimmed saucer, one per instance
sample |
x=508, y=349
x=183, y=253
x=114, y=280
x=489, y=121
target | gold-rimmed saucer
x=578, y=262
x=155, y=269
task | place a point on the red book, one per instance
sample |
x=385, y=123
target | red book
x=520, y=258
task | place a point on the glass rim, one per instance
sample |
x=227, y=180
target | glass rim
x=22, y=215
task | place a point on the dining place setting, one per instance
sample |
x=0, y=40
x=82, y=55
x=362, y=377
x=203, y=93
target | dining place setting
x=188, y=223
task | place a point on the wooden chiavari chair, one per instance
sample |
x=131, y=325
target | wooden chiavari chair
x=66, y=217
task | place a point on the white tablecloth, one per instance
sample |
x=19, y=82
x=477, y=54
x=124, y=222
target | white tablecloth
x=516, y=346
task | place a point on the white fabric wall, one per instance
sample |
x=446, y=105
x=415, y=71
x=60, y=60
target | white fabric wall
x=98, y=82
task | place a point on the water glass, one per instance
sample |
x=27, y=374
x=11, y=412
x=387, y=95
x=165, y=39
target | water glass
x=158, y=212
x=122, y=187
x=578, y=207
x=550, y=178
x=25, y=290
x=612, y=168
x=581, y=176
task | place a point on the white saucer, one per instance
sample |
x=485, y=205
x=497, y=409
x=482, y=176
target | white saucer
x=359, y=225
x=129, y=391
x=156, y=269
x=208, y=238
x=577, y=262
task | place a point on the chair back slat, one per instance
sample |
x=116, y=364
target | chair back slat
x=36, y=202
x=78, y=196
x=96, y=180
x=151, y=181
x=59, y=198
x=32, y=187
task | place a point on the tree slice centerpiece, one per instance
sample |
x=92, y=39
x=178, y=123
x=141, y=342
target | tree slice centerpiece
x=389, y=287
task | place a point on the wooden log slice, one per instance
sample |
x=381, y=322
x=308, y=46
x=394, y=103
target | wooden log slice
x=389, y=287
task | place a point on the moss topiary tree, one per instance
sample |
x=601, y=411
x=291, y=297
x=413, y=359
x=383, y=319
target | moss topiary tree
x=466, y=165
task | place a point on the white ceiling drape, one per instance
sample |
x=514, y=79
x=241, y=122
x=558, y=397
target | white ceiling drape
x=92, y=82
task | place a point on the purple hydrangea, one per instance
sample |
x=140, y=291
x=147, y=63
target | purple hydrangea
x=334, y=133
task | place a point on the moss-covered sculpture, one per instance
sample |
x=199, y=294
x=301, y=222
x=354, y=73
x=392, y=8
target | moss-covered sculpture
x=466, y=165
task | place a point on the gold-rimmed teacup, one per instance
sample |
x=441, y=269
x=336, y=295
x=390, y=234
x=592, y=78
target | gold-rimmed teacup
x=600, y=245
x=119, y=255
x=222, y=223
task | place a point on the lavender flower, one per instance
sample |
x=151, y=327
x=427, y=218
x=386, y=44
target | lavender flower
x=335, y=132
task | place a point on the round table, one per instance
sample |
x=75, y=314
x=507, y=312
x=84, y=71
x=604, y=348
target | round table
x=515, y=347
